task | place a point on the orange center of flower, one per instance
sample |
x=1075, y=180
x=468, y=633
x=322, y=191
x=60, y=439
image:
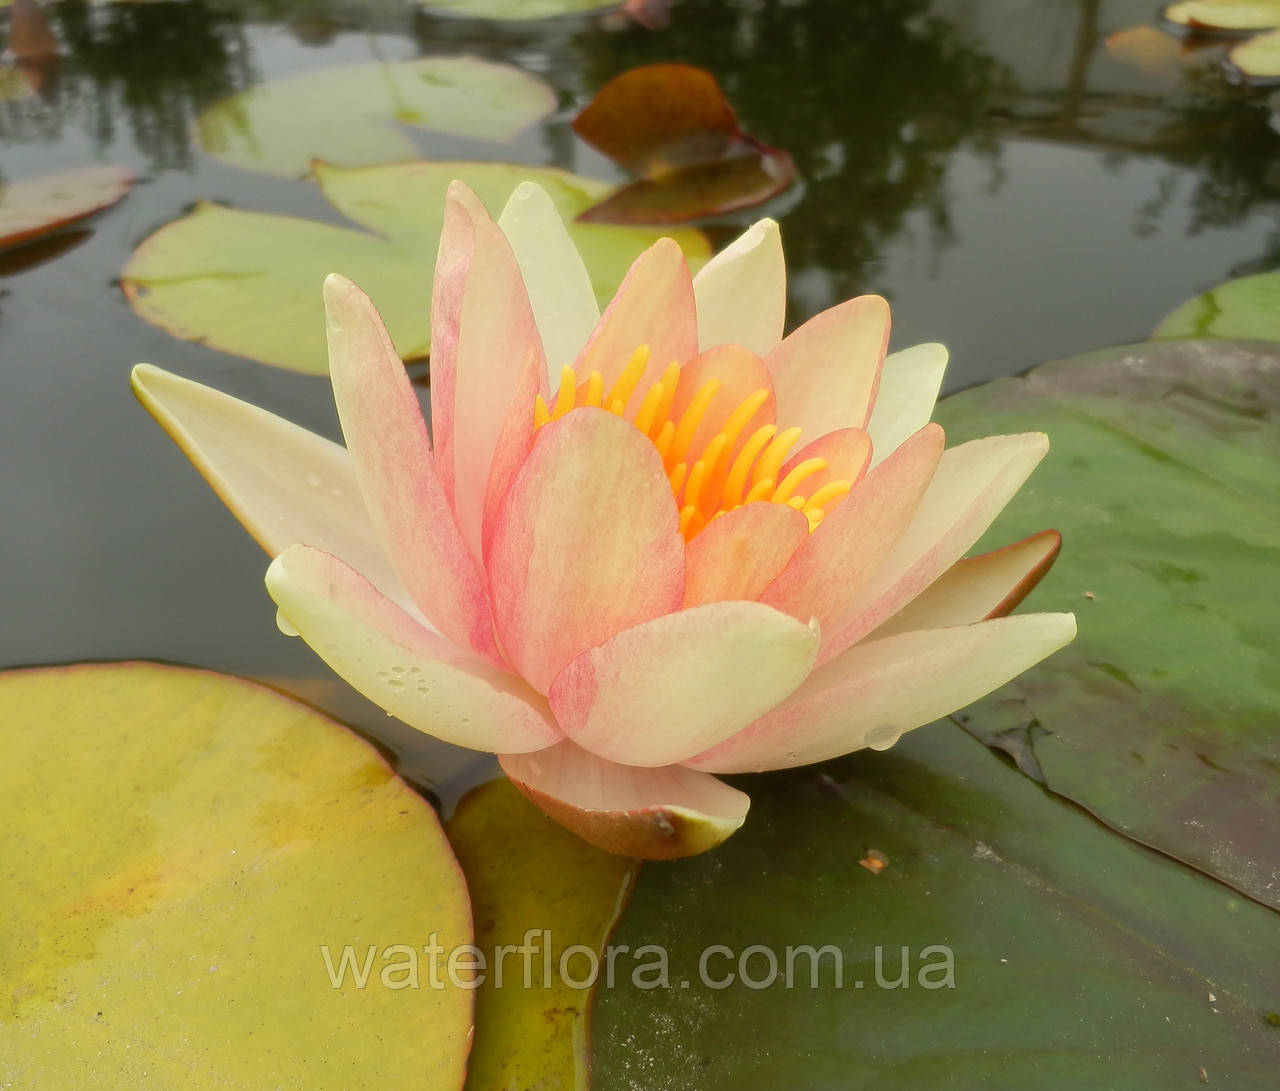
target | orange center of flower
x=725, y=474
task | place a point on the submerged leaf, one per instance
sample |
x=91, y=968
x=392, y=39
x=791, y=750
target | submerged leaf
x=671, y=124
x=37, y=206
x=351, y=116
x=186, y=855
x=540, y=890
x=249, y=283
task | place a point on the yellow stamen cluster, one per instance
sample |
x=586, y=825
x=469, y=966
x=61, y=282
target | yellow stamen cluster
x=717, y=479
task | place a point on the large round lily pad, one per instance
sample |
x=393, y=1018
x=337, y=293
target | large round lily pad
x=1162, y=717
x=989, y=935
x=1248, y=308
x=185, y=857
x=249, y=283
x=353, y=115
x=37, y=206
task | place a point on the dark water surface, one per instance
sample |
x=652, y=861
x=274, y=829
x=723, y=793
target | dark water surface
x=1015, y=190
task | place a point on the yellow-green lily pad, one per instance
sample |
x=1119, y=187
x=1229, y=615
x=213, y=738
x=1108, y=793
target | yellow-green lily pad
x=1258, y=58
x=186, y=857
x=550, y=901
x=1225, y=15
x=352, y=115
x=517, y=9
x=249, y=282
x=1245, y=309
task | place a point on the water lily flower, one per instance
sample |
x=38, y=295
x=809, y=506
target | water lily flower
x=637, y=549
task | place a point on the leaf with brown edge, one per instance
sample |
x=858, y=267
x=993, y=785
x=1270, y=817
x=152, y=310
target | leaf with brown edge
x=672, y=125
x=38, y=206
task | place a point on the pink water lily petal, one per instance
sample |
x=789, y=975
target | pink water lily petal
x=500, y=370
x=411, y=672
x=741, y=293
x=283, y=483
x=564, y=303
x=909, y=385
x=846, y=451
x=668, y=689
x=740, y=373
x=852, y=542
x=740, y=552
x=653, y=306
x=825, y=373
x=976, y=588
x=973, y=483
x=654, y=814
x=586, y=544
x=875, y=691
x=453, y=263
x=387, y=437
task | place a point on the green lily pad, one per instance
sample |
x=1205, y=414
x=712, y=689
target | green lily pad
x=1041, y=951
x=517, y=9
x=537, y=886
x=38, y=206
x=1162, y=717
x=182, y=851
x=249, y=283
x=1247, y=308
x=351, y=115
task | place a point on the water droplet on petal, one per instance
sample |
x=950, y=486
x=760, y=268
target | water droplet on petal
x=313, y=479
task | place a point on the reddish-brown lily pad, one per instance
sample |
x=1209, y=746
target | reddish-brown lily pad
x=37, y=206
x=672, y=125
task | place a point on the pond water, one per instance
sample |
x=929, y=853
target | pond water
x=1018, y=191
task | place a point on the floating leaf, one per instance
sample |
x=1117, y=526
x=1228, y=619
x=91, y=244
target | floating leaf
x=30, y=36
x=1162, y=717
x=517, y=9
x=351, y=115
x=538, y=887
x=1225, y=15
x=1248, y=309
x=179, y=850
x=1152, y=52
x=249, y=283
x=37, y=206
x=1258, y=58
x=1077, y=958
x=672, y=124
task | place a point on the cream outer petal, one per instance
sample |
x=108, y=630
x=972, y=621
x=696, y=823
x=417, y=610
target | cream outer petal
x=655, y=814
x=909, y=385
x=564, y=304
x=283, y=483
x=670, y=688
x=741, y=293
x=408, y=670
x=988, y=585
x=874, y=692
